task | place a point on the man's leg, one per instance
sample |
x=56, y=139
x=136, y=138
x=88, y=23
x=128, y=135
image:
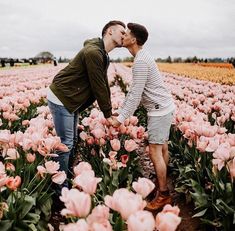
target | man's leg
x=163, y=196
x=158, y=130
x=165, y=153
x=157, y=158
x=73, y=152
x=64, y=126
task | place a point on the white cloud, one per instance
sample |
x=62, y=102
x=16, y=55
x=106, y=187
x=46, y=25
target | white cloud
x=177, y=28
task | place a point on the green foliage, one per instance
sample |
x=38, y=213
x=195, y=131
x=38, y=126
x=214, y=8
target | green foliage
x=211, y=191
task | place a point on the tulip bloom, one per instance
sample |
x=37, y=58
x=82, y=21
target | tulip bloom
x=13, y=183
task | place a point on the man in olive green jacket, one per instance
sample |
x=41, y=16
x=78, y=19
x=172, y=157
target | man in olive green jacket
x=79, y=84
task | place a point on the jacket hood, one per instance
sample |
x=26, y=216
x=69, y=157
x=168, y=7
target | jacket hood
x=94, y=41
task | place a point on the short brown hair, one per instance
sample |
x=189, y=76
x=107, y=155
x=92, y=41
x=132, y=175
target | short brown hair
x=112, y=23
x=139, y=32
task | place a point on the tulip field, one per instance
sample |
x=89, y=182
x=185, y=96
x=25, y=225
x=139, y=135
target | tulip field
x=108, y=189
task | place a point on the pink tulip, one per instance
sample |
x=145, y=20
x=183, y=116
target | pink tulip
x=143, y=186
x=30, y=157
x=10, y=167
x=105, y=226
x=52, y=167
x=171, y=209
x=83, y=135
x=25, y=122
x=41, y=170
x=90, y=140
x=99, y=214
x=13, y=182
x=133, y=120
x=167, y=221
x=12, y=154
x=82, y=166
x=59, y=177
x=76, y=203
x=130, y=145
x=118, y=202
x=221, y=155
x=122, y=129
x=141, y=221
x=112, y=155
x=115, y=144
x=87, y=181
x=98, y=133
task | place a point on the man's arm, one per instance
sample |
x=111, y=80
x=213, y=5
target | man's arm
x=96, y=73
x=133, y=98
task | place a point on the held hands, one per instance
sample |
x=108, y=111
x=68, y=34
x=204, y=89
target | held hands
x=113, y=121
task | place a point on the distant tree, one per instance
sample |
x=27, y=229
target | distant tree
x=44, y=56
x=232, y=61
x=188, y=60
x=160, y=60
x=168, y=60
x=177, y=60
x=194, y=59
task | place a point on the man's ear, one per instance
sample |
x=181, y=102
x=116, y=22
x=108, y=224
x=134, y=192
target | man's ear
x=133, y=40
x=110, y=31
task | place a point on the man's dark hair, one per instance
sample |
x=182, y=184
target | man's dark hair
x=112, y=23
x=139, y=32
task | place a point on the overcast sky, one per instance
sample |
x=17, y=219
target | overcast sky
x=179, y=28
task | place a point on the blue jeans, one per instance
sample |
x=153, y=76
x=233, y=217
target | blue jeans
x=66, y=128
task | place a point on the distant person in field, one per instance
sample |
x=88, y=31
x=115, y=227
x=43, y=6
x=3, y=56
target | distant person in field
x=54, y=61
x=79, y=84
x=3, y=62
x=148, y=88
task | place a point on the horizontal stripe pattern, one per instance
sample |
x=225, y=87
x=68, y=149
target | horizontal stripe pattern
x=148, y=88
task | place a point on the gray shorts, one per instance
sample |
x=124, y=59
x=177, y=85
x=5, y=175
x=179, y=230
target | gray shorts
x=159, y=128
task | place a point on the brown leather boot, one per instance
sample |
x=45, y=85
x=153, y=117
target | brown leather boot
x=159, y=201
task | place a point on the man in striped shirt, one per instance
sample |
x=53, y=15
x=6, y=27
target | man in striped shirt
x=148, y=88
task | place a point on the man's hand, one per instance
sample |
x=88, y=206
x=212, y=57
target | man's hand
x=115, y=122
x=110, y=120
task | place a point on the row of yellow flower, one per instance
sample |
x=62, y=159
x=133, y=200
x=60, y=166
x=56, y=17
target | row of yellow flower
x=211, y=73
x=221, y=65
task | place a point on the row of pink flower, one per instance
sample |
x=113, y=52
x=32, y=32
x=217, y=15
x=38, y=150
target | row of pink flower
x=207, y=138
x=38, y=137
x=95, y=130
x=17, y=93
x=206, y=96
x=78, y=204
x=12, y=183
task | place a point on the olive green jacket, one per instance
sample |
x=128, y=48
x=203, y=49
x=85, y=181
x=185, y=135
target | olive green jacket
x=85, y=80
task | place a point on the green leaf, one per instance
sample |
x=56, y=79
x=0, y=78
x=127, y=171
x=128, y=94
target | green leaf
x=28, y=203
x=6, y=225
x=118, y=224
x=200, y=214
x=46, y=207
x=115, y=181
x=223, y=206
x=31, y=218
x=32, y=227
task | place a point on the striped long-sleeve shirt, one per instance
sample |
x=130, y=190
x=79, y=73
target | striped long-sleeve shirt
x=148, y=88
